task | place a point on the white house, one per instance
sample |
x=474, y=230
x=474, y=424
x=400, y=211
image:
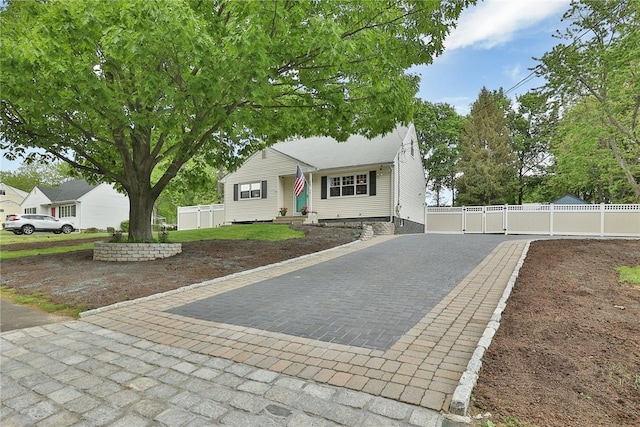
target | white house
x=87, y=206
x=368, y=181
x=10, y=200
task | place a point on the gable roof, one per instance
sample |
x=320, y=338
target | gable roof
x=70, y=190
x=323, y=152
x=17, y=191
x=568, y=199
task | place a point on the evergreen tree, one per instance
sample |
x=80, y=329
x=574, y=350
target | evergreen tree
x=487, y=162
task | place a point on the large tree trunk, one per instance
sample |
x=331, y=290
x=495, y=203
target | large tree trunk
x=140, y=212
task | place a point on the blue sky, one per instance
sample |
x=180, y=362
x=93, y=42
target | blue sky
x=492, y=45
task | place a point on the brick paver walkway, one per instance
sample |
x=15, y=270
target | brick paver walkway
x=419, y=361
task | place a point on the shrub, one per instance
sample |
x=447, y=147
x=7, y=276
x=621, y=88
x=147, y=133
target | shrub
x=124, y=226
x=91, y=230
x=111, y=230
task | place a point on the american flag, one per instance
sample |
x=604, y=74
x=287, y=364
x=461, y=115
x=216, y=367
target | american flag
x=299, y=185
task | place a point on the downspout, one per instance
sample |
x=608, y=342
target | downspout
x=398, y=205
x=392, y=195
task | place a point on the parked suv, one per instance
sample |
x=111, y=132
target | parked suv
x=28, y=223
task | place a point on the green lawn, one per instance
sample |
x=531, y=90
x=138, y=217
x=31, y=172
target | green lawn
x=259, y=232
x=262, y=232
x=629, y=275
x=42, y=302
x=7, y=237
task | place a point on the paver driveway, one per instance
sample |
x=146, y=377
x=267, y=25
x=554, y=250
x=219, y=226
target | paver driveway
x=397, y=317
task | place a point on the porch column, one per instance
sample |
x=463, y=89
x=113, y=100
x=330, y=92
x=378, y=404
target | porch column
x=310, y=193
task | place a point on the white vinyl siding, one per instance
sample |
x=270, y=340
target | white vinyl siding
x=102, y=207
x=351, y=197
x=412, y=181
x=354, y=206
x=267, y=165
x=37, y=200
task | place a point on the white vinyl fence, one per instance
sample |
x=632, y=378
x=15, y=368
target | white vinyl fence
x=201, y=216
x=568, y=220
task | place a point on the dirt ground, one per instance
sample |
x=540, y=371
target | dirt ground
x=567, y=352
x=568, y=349
x=76, y=279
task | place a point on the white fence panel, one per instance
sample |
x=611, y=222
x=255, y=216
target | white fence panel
x=566, y=220
x=201, y=216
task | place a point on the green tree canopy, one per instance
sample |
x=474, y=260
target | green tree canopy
x=532, y=124
x=487, y=162
x=599, y=63
x=127, y=91
x=584, y=163
x=439, y=127
x=30, y=175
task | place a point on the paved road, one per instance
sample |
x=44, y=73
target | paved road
x=154, y=362
x=13, y=316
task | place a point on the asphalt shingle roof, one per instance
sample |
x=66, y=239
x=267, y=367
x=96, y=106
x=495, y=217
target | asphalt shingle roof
x=70, y=190
x=327, y=153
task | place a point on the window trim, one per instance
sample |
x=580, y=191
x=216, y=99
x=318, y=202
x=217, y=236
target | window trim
x=30, y=211
x=63, y=209
x=355, y=177
x=261, y=189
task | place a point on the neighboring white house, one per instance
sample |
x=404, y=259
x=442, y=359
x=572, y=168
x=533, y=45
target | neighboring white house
x=360, y=180
x=10, y=200
x=87, y=206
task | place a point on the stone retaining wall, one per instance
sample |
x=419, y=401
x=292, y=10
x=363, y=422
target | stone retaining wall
x=125, y=252
x=383, y=228
x=367, y=232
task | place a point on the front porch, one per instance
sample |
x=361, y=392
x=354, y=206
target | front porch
x=310, y=218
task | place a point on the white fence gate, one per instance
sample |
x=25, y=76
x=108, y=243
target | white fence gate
x=201, y=216
x=568, y=220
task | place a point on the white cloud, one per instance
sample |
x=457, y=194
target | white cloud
x=495, y=22
x=514, y=72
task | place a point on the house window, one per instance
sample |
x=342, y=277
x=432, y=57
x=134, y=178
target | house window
x=67, y=211
x=413, y=152
x=348, y=185
x=252, y=190
x=3, y=193
x=29, y=210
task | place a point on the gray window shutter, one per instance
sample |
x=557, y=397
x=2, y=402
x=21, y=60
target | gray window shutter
x=323, y=190
x=372, y=183
x=235, y=192
x=264, y=189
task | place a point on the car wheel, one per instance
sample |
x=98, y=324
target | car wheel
x=28, y=229
x=17, y=232
x=57, y=231
x=66, y=229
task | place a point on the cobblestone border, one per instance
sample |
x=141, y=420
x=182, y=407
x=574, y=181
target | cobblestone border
x=462, y=394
